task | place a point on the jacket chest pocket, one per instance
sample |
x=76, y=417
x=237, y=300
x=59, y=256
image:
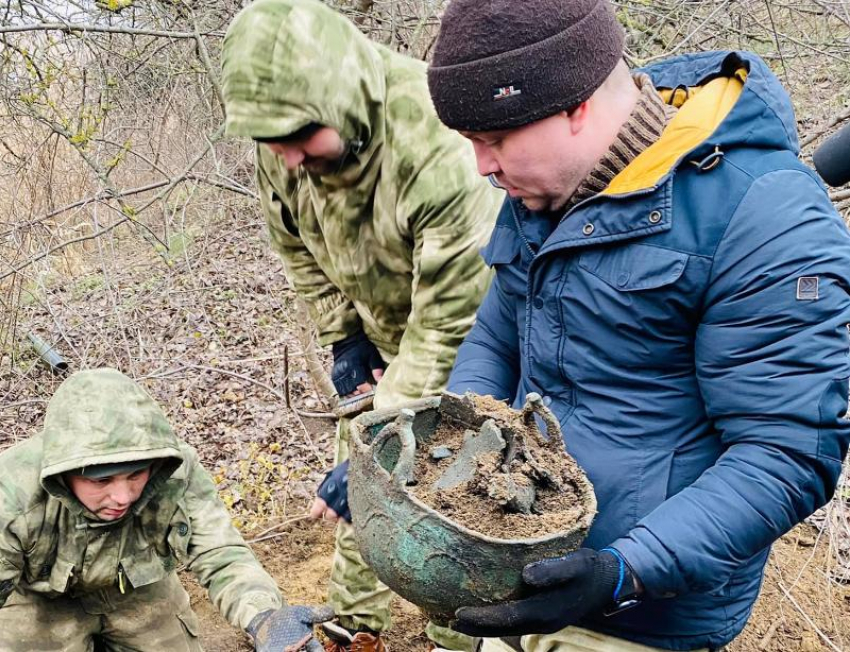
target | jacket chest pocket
x=145, y=567
x=60, y=575
x=179, y=534
x=633, y=304
x=53, y=577
x=156, y=560
x=635, y=268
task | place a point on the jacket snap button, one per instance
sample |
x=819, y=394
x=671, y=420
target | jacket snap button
x=182, y=529
x=587, y=229
x=623, y=279
x=538, y=303
x=655, y=217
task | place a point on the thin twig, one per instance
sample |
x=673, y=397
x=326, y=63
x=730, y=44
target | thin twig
x=841, y=117
x=100, y=196
x=232, y=374
x=286, y=393
x=20, y=403
x=806, y=617
x=204, y=54
x=277, y=526
x=210, y=142
x=264, y=537
x=315, y=415
x=105, y=195
x=44, y=254
x=687, y=38
x=261, y=358
x=106, y=29
x=778, y=44
x=307, y=438
x=771, y=632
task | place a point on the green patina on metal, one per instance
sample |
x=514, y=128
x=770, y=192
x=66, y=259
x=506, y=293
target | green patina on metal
x=423, y=556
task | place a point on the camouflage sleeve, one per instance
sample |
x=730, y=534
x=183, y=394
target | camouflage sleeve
x=11, y=557
x=450, y=280
x=333, y=313
x=218, y=556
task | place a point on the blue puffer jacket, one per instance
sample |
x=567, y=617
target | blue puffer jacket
x=689, y=328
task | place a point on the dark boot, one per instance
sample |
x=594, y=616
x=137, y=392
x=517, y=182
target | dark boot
x=341, y=639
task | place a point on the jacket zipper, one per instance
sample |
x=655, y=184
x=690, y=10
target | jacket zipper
x=121, y=578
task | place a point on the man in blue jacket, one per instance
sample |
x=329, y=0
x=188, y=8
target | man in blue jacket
x=674, y=282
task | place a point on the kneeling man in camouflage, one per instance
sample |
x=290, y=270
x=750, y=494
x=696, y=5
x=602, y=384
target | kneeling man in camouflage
x=96, y=513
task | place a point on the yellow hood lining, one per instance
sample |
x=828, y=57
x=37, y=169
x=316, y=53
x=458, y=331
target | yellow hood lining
x=701, y=110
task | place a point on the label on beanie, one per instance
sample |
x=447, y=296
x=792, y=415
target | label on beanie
x=504, y=92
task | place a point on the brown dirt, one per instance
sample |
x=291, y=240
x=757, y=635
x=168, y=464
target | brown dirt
x=799, y=607
x=482, y=503
x=300, y=562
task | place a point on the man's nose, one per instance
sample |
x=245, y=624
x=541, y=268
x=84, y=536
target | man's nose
x=487, y=163
x=122, y=494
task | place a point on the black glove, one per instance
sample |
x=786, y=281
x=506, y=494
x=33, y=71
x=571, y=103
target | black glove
x=568, y=589
x=288, y=629
x=334, y=491
x=354, y=359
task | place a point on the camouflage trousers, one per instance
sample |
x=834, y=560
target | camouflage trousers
x=152, y=618
x=570, y=639
x=358, y=597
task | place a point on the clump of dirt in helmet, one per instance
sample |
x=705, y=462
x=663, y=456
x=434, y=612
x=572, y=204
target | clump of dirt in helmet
x=491, y=469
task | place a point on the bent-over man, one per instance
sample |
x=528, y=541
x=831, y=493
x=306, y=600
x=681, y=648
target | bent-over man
x=378, y=214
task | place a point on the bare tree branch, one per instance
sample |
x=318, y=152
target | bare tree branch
x=72, y=28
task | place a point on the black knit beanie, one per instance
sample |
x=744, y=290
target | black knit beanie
x=499, y=64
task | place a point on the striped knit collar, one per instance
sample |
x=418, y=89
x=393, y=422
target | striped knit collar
x=644, y=127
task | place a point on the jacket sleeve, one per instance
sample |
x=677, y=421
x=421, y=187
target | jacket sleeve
x=218, y=556
x=332, y=312
x=449, y=282
x=771, y=357
x=11, y=557
x=488, y=360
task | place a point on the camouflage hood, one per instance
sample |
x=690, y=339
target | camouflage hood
x=282, y=70
x=100, y=416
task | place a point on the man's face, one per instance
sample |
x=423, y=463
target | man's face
x=111, y=497
x=317, y=149
x=541, y=163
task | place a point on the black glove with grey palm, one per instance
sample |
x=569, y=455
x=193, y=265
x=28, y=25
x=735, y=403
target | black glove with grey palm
x=288, y=629
x=566, y=589
x=334, y=490
x=354, y=359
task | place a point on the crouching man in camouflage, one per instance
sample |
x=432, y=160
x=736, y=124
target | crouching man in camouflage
x=97, y=511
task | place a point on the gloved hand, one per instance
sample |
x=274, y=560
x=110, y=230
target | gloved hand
x=288, y=629
x=333, y=493
x=355, y=362
x=568, y=589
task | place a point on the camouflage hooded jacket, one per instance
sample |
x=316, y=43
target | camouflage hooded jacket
x=390, y=242
x=51, y=544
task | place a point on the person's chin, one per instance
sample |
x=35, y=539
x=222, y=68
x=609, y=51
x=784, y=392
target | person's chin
x=535, y=203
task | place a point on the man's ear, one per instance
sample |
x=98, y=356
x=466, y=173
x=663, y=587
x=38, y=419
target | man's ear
x=577, y=117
